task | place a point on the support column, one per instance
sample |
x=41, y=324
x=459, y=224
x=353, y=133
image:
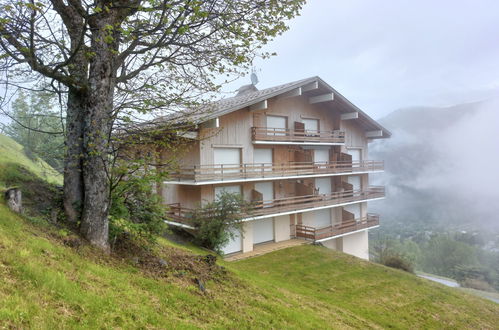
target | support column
x=248, y=237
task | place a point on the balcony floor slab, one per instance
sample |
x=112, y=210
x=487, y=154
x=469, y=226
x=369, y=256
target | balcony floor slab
x=345, y=234
x=273, y=178
x=299, y=143
x=310, y=209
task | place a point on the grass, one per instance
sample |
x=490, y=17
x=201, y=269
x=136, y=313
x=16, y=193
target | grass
x=12, y=152
x=484, y=294
x=374, y=294
x=46, y=284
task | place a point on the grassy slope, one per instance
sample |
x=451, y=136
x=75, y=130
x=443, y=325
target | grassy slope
x=377, y=295
x=12, y=152
x=45, y=284
x=51, y=286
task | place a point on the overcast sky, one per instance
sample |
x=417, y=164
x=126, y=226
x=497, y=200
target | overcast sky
x=389, y=54
x=385, y=55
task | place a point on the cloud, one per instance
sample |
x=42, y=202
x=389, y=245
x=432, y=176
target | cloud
x=442, y=165
x=469, y=149
x=392, y=54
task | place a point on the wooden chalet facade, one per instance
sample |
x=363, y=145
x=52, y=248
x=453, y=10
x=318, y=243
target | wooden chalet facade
x=299, y=151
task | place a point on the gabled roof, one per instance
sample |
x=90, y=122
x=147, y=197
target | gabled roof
x=249, y=98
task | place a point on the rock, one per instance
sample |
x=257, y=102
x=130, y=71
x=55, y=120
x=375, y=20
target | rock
x=200, y=284
x=13, y=196
x=135, y=261
x=162, y=262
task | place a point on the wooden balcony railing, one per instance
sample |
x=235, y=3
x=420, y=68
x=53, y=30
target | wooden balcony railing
x=291, y=204
x=349, y=226
x=220, y=172
x=298, y=203
x=296, y=135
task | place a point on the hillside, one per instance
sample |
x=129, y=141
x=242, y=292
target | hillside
x=50, y=279
x=47, y=284
x=439, y=166
x=12, y=152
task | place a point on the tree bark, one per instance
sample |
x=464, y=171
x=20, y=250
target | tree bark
x=97, y=131
x=76, y=105
x=73, y=171
x=94, y=220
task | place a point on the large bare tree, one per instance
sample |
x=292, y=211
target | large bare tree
x=112, y=60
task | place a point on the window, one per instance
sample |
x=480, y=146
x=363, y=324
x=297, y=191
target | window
x=228, y=189
x=227, y=159
x=311, y=125
x=276, y=125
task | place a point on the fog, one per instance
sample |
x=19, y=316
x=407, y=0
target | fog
x=442, y=165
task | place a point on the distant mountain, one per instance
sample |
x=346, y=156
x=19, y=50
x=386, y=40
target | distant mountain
x=442, y=166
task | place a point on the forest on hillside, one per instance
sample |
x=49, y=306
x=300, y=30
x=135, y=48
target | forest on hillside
x=440, y=213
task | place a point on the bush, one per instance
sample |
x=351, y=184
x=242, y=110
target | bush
x=476, y=284
x=218, y=222
x=137, y=213
x=395, y=261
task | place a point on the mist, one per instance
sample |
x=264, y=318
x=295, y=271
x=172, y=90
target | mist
x=442, y=166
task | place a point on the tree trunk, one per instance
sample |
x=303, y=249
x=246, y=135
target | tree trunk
x=75, y=114
x=73, y=171
x=97, y=130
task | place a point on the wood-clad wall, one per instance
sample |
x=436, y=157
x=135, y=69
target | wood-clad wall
x=235, y=131
x=355, y=137
x=297, y=108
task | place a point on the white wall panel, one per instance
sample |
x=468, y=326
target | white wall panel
x=355, y=181
x=324, y=185
x=322, y=218
x=263, y=230
x=235, y=244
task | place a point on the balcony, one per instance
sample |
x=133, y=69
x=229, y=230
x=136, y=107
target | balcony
x=297, y=204
x=350, y=226
x=291, y=205
x=208, y=174
x=268, y=135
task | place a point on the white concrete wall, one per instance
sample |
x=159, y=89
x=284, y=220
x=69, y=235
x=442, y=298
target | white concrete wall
x=248, y=237
x=331, y=244
x=356, y=244
x=282, y=230
x=308, y=218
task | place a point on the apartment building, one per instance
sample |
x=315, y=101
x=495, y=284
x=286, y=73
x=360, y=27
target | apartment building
x=298, y=151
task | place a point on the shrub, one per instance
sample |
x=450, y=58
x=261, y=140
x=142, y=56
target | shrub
x=396, y=261
x=477, y=284
x=218, y=222
x=136, y=213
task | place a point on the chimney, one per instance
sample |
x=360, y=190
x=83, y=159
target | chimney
x=246, y=89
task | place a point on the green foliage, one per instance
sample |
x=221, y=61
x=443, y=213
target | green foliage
x=443, y=255
x=38, y=128
x=398, y=262
x=476, y=277
x=218, y=222
x=455, y=255
x=137, y=212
